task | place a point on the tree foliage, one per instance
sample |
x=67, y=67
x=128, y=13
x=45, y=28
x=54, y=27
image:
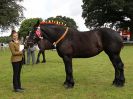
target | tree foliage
x=66, y=20
x=27, y=26
x=11, y=13
x=5, y=39
x=98, y=12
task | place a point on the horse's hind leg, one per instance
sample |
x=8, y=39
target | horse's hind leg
x=119, y=69
x=38, y=60
x=43, y=54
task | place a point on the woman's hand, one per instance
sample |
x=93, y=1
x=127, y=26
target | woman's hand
x=23, y=51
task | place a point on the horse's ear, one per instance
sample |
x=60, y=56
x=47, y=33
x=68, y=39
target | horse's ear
x=37, y=24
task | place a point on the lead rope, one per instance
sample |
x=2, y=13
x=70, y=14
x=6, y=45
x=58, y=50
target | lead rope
x=55, y=43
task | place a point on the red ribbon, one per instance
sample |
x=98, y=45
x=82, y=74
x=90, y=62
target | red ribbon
x=38, y=32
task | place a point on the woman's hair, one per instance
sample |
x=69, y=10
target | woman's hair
x=13, y=32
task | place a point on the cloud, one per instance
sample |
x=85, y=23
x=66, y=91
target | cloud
x=52, y=8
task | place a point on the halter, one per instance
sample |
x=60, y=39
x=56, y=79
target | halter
x=55, y=43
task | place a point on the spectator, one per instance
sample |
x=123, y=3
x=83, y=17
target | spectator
x=30, y=51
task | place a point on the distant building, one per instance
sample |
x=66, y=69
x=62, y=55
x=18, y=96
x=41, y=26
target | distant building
x=125, y=34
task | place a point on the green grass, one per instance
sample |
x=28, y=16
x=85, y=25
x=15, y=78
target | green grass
x=93, y=78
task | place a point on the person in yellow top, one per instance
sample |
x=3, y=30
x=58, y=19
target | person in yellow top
x=16, y=60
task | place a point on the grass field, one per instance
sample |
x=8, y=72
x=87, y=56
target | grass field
x=93, y=78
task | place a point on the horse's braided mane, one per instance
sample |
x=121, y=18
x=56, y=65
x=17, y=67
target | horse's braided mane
x=53, y=22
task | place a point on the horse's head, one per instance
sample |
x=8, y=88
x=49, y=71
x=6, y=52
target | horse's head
x=34, y=35
x=50, y=30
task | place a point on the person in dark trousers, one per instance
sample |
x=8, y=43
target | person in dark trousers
x=31, y=53
x=16, y=60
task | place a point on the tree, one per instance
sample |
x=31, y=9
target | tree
x=66, y=20
x=98, y=12
x=5, y=39
x=27, y=26
x=11, y=13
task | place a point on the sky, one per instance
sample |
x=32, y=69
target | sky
x=52, y=8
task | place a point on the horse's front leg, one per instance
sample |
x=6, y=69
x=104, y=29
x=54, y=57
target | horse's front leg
x=69, y=82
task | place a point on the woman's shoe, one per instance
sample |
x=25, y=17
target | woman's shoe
x=21, y=88
x=18, y=90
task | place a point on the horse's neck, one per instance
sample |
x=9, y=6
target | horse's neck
x=59, y=32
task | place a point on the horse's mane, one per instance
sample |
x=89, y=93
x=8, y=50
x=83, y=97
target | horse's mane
x=56, y=23
x=52, y=23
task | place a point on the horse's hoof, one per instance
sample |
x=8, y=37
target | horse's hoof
x=43, y=61
x=68, y=85
x=118, y=83
x=65, y=83
x=37, y=62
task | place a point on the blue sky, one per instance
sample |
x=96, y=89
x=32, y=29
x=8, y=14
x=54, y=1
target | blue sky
x=52, y=8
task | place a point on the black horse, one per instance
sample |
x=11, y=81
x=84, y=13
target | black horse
x=71, y=43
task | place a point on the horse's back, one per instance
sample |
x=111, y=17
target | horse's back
x=82, y=44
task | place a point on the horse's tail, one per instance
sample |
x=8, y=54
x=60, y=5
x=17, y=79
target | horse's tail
x=122, y=46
